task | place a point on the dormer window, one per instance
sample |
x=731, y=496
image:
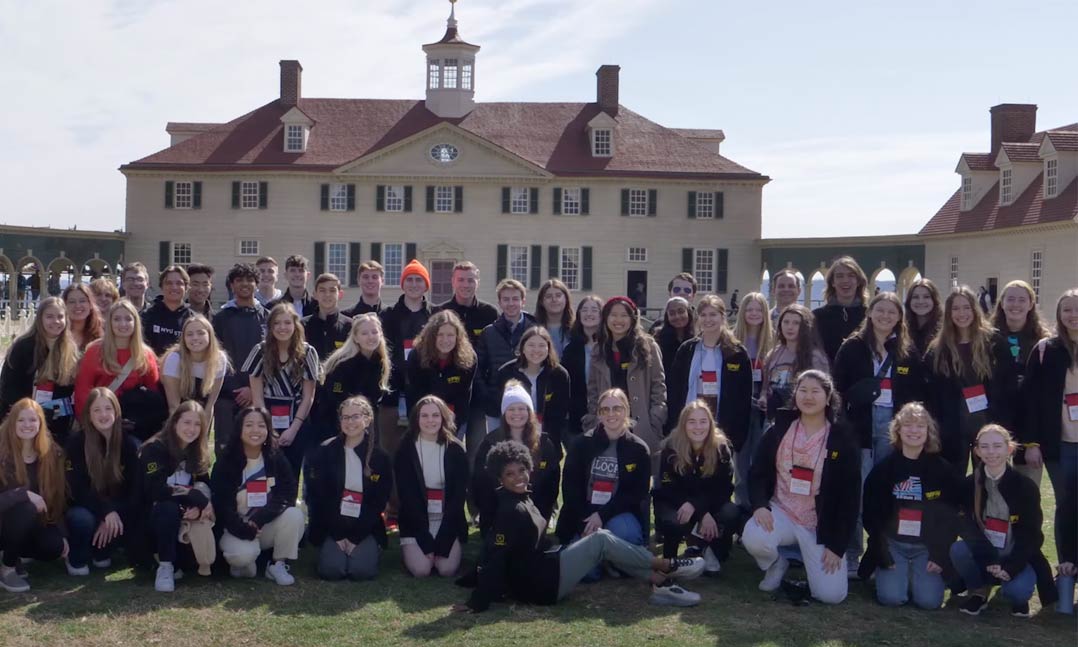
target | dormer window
x=967, y=192
x=1005, y=186
x=434, y=74
x=295, y=138
x=602, y=142
x=1051, y=178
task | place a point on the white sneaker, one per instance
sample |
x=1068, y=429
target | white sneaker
x=103, y=563
x=76, y=572
x=165, y=581
x=774, y=574
x=244, y=571
x=672, y=595
x=712, y=566
x=686, y=568
x=278, y=572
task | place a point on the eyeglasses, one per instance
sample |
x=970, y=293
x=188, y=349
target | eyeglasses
x=356, y=417
x=605, y=411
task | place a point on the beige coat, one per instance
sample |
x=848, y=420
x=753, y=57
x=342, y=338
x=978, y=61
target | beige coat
x=647, y=394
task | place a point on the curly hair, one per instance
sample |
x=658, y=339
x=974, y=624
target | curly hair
x=505, y=453
x=462, y=355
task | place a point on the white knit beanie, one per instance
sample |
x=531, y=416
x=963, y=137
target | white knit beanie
x=516, y=394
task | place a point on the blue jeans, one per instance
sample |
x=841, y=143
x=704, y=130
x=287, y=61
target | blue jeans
x=623, y=526
x=1063, y=474
x=81, y=526
x=1065, y=586
x=910, y=571
x=743, y=459
x=879, y=449
x=1018, y=591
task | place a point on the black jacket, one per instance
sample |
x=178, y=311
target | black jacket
x=239, y=329
x=17, y=382
x=839, y=498
x=81, y=489
x=475, y=317
x=1042, y=392
x=161, y=327
x=515, y=562
x=936, y=493
x=634, y=481
x=309, y=303
x=497, y=345
x=573, y=359
x=324, y=476
x=545, y=479
x=399, y=324
x=735, y=395
x=326, y=335
x=452, y=384
x=856, y=381
x=707, y=494
x=155, y=466
x=358, y=375
x=227, y=481
x=668, y=341
x=362, y=308
x=412, y=510
x=834, y=323
x=552, y=393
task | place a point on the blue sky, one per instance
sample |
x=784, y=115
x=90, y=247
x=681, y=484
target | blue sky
x=857, y=110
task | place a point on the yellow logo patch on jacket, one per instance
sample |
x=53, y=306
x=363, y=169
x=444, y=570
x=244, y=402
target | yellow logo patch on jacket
x=903, y=370
x=834, y=455
x=733, y=367
x=151, y=468
x=338, y=344
x=932, y=494
x=625, y=366
x=1014, y=518
x=499, y=539
x=542, y=465
x=630, y=467
x=548, y=397
x=375, y=477
x=477, y=331
x=338, y=387
x=453, y=380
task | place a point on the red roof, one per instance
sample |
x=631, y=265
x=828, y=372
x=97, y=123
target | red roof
x=550, y=135
x=979, y=161
x=1030, y=208
x=1023, y=152
x=1064, y=140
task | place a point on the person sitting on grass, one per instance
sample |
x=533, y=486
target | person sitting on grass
x=516, y=562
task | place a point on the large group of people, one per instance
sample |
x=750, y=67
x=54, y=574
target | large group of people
x=870, y=438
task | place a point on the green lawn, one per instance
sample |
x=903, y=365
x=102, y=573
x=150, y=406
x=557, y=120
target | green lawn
x=122, y=609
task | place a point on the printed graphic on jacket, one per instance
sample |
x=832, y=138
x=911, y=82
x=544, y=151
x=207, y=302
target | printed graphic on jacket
x=908, y=490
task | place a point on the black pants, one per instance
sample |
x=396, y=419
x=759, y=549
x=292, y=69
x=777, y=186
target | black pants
x=674, y=533
x=165, y=519
x=23, y=533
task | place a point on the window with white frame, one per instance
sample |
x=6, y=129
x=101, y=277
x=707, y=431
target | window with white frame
x=449, y=73
x=394, y=198
x=249, y=195
x=1036, y=267
x=705, y=205
x=338, y=197
x=638, y=202
x=434, y=71
x=570, y=202
x=967, y=192
x=954, y=271
x=518, y=263
x=637, y=255
x=466, y=75
x=570, y=267
x=1005, y=186
x=1051, y=177
x=393, y=262
x=182, y=199
x=602, y=142
x=249, y=248
x=703, y=269
x=443, y=199
x=181, y=253
x=337, y=259
x=294, y=136
x=518, y=200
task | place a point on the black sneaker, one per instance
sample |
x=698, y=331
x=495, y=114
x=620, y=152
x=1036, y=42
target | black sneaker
x=1020, y=610
x=974, y=604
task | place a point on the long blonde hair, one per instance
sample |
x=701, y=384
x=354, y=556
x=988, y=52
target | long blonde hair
x=947, y=361
x=213, y=361
x=978, y=472
x=52, y=483
x=727, y=339
x=103, y=454
x=59, y=364
x=1061, y=330
x=136, y=345
x=765, y=337
x=297, y=346
x=716, y=447
x=351, y=348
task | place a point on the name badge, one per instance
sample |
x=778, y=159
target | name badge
x=602, y=491
x=996, y=531
x=435, y=500
x=885, y=398
x=801, y=481
x=351, y=504
x=976, y=399
x=1071, y=399
x=909, y=522
x=757, y=371
x=408, y=343
x=709, y=383
x=281, y=416
x=43, y=392
x=257, y=493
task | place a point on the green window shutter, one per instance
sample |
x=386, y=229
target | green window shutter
x=408, y=199
x=533, y=200
x=536, y=267
x=503, y=261
x=722, y=263
x=380, y=199
x=376, y=252
x=692, y=205
x=409, y=252
x=235, y=195
x=506, y=191
x=351, y=197
x=585, y=268
x=557, y=201
x=263, y=195
x=319, y=258
x=354, y=253
x=553, y=254
x=430, y=198
x=653, y=198
x=169, y=184
x=718, y=205
x=458, y=199
x=585, y=201
x=625, y=202
x=196, y=195
x=686, y=259
x=164, y=254
x=324, y=204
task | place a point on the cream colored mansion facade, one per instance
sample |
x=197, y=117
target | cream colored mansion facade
x=591, y=193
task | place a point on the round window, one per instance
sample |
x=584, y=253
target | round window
x=444, y=153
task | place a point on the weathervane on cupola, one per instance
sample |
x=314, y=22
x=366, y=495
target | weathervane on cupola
x=450, y=72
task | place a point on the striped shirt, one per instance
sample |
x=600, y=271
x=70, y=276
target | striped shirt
x=283, y=385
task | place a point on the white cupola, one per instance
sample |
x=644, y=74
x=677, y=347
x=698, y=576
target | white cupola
x=450, y=72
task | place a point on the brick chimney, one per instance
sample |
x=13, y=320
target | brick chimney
x=1012, y=123
x=291, y=75
x=607, y=89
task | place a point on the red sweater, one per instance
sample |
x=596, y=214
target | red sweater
x=92, y=373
